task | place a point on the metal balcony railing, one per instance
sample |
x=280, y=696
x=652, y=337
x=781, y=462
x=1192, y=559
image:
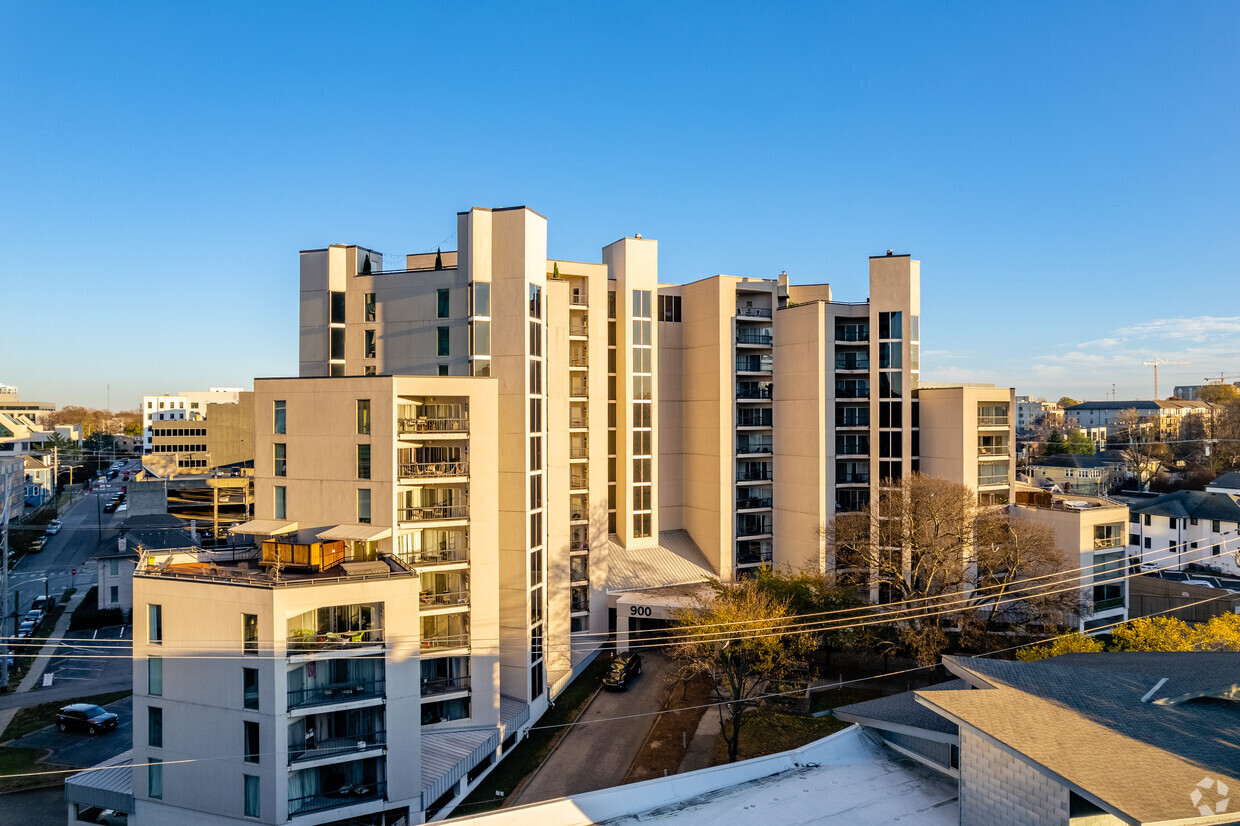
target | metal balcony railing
x=578, y=545
x=443, y=599
x=852, y=478
x=754, y=447
x=578, y=452
x=852, y=335
x=577, y=360
x=753, y=312
x=852, y=364
x=333, y=746
x=754, y=337
x=992, y=450
x=579, y=329
x=360, y=689
x=446, y=641
x=577, y=421
x=755, y=502
x=754, y=365
x=758, y=475
x=432, y=425
x=432, y=470
x=444, y=685
x=579, y=300
x=346, y=795
x=440, y=556
x=750, y=392
x=992, y=421
x=859, y=392
x=333, y=640
x=579, y=390
x=743, y=419
x=427, y=512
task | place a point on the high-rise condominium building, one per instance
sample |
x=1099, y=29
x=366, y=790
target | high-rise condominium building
x=490, y=461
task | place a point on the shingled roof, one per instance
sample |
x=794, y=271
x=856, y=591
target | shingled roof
x=1183, y=504
x=1134, y=733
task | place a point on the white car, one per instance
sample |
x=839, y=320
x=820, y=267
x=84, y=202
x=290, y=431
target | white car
x=52, y=528
x=111, y=817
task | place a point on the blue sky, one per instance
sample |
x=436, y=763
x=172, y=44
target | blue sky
x=1067, y=173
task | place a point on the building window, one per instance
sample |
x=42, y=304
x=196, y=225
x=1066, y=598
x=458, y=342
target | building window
x=251, y=742
x=363, y=461
x=155, y=727
x=155, y=623
x=114, y=594
x=249, y=688
x=369, y=370
x=337, y=371
x=370, y=344
x=363, y=417
x=249, y=633
x=251, y=795
x=442, y=304
x=337, y=308
x=363, y=506
x=443, y=369
x=669, y=308
x=155, y=676
x=278, y=421
x=1215, y=525
x=337, y=343
x=370, y=306
x=480, y=338
x=280, y=467
x=535, y=301
x=443, y=341
x=113, y=567
x=280, y=509
x=154, y=779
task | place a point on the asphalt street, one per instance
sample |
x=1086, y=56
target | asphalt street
x=596, y=755
x=79, y=749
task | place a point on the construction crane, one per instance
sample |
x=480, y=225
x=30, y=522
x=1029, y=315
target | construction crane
x=1222, y=378
x=1157, y=361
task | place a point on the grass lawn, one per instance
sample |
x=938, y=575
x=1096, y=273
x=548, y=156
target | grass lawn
x=22, y=761
x=768, y=732
x=529, y=754
x=33, y=718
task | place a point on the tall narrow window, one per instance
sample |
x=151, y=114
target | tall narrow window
x=337, y=310
x=370, y=306
x=155, y=778
x=251, y=795
x=155, y=727
x=442, y=341
x=442, y=303
x=278, y=413
x=363, y=417
x=249, y=687
x=481, y=296
x=155, y=623
x=280, y=468
x=249, y=633
x=337, y=343
x=370, y=344
x=155, y=676
x=280, y=503
x=363, y=461
x=363, y=506
x=251, y=742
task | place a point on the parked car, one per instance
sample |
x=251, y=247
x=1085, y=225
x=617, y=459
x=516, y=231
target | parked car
x=35, y=546
x=111, y=817
x=86, y=717
x=111, y=506
x=26, y=629
x=120, y=497
x=34, y=615
x=44, y=604
x=624, y=669
x=52, y=527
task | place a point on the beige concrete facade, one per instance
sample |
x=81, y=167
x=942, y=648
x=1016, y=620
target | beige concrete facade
x=968, y=435
x=219, y=435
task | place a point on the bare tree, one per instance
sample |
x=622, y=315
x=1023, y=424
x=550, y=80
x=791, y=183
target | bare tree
x=926, y=543
x=1143, y=455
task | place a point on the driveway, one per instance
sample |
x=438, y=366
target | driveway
x=79, y=749
x=596, y=755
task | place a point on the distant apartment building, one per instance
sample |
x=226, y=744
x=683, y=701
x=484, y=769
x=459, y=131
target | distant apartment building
x=1192, y=392
x=213, y=434
x=490, y=460
x=1187, y=527
x=188, y=406
x=12, y=477
x=1158, y=419
x=1090, y=532
x=1033, y=413
x=12, y=403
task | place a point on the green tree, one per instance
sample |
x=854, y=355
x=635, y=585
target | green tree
x=1222, y=633
x=366, y=265
x=1079, y=443
x=812, y=595
x=1066, y=401
x=1071, y=644
x=740, y=641
x=1055, y=444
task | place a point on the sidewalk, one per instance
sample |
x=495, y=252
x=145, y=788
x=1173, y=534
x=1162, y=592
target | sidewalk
x=697, y=756
x=44, y=657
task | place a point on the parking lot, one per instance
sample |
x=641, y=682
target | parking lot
x=93, y=657
x=79, y=749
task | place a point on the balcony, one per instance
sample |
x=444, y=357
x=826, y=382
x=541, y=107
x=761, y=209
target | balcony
x=578, y=481
x=439, y=556
x=754, y=474
x=580, y=360
x=579, y=508
x=853, y=421
x=578, y=299
x=578, y=452
x=747, y=417
x=308, y=641
x=344, y=692
x=444, y=685
x=759, y=337
x=346, y=795
x=750, y=526
x=852, y=478
x=751, y=552
x=992, y=451
x=578, y=422
x=753, y=446
x=443, y=599
x=432, y=470
x=336, y=746
x=754, y=502
x=852, y=361
x=578, y=328
x=999, y=420
x=579, y=390
x=313, y=556
x=847, y=446
x=444, y=631
x=1108, y=604
x=429, y=425
x=432, y=512
x=853, y=333
x=754, y=364
x=755, y=391
x=852, y=390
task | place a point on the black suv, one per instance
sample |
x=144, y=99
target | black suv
x=623, y=669
x=86, y=717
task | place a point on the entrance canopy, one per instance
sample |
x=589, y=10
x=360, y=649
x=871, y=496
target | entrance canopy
x=265, y=527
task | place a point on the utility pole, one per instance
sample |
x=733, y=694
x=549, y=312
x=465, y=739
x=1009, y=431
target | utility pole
x=4, y=586
x=1157, y=361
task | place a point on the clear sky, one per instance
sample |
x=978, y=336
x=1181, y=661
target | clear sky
x=1067, y=173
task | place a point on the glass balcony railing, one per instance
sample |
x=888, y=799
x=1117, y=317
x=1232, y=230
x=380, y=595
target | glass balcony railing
x=429, y=512
x=754, y=446
x=753, y=418
x=852, y=333
x=755, y=391
x=754, y=364
x=439, y=556
x=748, y=502
x=753, y=474
x=344, y=692
x=443, y=599
x=304, y=640
x=313, y=556
x=992, y=421
x=1107, y=604
x=760, y=337
x=843, y=362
